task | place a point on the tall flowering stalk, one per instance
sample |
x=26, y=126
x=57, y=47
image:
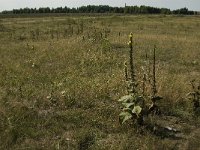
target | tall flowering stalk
x=131, y=63
x=133, y=103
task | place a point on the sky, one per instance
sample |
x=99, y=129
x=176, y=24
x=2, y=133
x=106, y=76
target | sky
x=172, y=4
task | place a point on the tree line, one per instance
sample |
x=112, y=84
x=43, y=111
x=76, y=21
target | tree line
x=102, y=9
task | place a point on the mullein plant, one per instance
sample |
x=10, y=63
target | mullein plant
x=133, y=102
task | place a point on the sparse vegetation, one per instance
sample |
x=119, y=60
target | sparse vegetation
x=195, y=96
x=61, y=77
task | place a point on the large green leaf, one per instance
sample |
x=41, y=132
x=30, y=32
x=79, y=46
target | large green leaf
x=124, y=116
x=126, y=98
x=137, y=110
x=128, y=105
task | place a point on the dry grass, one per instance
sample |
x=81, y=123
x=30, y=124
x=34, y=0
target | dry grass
x=61, y=92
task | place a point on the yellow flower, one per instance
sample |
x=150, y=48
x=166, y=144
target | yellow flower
x=129, y=43
x=131, y=35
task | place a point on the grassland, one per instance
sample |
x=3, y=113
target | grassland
x=61, y=77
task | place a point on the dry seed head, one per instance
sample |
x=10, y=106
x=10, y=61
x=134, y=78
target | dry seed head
x=125, y=63
x=63, y=93
x=33, y=65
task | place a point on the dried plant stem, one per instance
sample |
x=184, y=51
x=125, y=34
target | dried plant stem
x=154, y=108
x=154, y=72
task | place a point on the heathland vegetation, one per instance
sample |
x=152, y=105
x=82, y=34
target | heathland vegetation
x=61, y=79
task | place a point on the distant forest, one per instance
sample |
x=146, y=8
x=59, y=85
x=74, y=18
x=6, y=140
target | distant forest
x=102, y=9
